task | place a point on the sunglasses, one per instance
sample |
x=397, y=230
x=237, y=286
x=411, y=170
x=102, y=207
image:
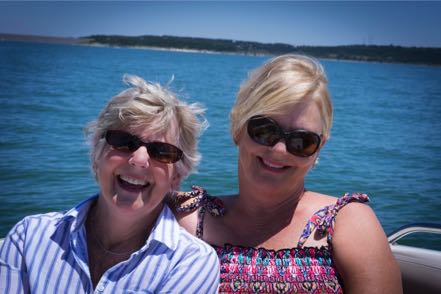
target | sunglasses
x=159, y=151
x=265, y=131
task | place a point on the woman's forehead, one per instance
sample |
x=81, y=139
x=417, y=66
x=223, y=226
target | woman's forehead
x=304, y=115
x=154, y=133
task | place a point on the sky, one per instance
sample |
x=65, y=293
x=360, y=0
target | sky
x=297, y=23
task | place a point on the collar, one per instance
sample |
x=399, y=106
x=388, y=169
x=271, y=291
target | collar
x=77, y=215
x=165, y=231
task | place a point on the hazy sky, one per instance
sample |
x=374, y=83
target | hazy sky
x=296, y=23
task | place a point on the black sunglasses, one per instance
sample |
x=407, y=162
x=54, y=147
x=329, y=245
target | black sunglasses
x=159, y=151
x=265, y=131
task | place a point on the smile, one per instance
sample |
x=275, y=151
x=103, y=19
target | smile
x=272, y=165
x=132, y=184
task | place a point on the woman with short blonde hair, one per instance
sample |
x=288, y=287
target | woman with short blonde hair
x=124, y=239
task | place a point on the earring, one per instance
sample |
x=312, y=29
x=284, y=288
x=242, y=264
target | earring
x=316, y=162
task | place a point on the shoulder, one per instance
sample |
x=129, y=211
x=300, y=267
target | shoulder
x=353, y=212
x=186, y=207
x=34, y=228
x=36, y=223
x=169, y=232
x=320, y=200
x=331, y=206
x=357, y=232
x=194, y=245
x=313, y=202
x=361, y=250
x=353, y=217
x=33, y=231
x=326, y=200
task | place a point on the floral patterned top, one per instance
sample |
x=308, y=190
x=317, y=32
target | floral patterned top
x=259, y=270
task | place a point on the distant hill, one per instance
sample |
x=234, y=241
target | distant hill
x=390, y=54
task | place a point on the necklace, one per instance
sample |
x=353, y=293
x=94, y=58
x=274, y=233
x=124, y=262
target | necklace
x=98, y=242
x=101, y=245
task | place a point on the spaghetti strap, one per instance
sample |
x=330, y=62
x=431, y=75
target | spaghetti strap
x=215, y=207
x=200, y=223
x=324, y=219
x=198, y=199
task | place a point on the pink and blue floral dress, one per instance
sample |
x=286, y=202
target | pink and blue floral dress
x=294, y=270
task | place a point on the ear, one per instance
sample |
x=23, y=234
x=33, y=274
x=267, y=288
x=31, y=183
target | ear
x=239, y=136
x=323, y=141
x=95, y=171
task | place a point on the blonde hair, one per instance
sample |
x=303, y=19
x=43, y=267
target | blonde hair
x=282, y=82
x=157, y=109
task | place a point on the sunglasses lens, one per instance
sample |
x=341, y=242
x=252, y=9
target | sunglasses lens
x=159, y=151
x=121, y=140
x=164, y=152
x=303, y=143
x=263, y=131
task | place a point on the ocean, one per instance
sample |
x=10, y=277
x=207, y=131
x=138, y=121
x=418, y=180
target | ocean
x=385, y=140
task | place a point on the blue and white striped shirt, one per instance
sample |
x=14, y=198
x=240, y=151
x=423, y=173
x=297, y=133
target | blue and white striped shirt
x=47, y=253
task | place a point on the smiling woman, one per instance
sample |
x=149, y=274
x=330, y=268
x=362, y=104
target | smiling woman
x=275, y=235
x=124, y=239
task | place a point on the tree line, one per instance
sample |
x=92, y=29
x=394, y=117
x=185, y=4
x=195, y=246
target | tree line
x=391, y=53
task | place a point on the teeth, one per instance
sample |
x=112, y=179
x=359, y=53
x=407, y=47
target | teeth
x=273, y=165
x=133, y=181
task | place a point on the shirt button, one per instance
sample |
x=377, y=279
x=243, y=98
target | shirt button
x=100, y=288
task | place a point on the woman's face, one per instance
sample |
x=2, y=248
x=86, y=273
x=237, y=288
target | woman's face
x=273, y=168
x=133, y=181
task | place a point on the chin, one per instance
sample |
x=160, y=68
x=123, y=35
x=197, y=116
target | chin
x=138, y=204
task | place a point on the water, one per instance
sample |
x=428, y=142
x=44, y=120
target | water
x=385, y=139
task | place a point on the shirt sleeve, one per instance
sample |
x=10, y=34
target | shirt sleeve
x=13, y=275
x=195, y=273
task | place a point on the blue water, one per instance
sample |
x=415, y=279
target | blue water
x=386, y=137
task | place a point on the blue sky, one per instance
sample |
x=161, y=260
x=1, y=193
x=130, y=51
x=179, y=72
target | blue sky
x=296, y=23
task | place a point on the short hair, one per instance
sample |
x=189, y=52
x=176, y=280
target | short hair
x=147, y=104
x=283, y=81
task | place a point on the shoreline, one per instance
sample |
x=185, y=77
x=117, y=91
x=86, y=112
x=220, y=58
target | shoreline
x=182, y=50
x=89, y=42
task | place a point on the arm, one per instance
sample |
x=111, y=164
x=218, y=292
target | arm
x=362, y=253
x=13, y=276
x=196, y=273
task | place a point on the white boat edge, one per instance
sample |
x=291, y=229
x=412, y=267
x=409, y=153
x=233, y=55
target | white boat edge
x=420, y=267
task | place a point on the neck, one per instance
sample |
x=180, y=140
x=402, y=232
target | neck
x=268, y=209
x=118, y=233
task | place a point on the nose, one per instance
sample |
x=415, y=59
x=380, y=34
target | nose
x=280, y=147
x=140, y=157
